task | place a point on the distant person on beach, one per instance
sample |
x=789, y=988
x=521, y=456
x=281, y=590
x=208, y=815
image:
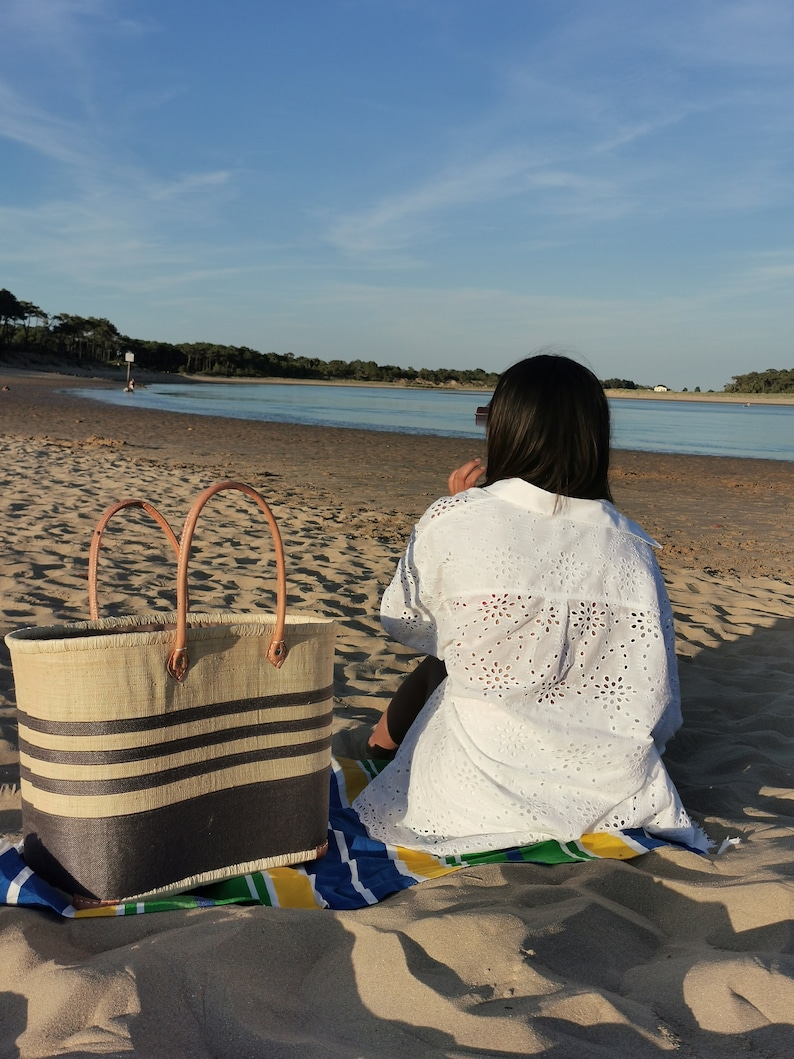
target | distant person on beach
x=549, y=687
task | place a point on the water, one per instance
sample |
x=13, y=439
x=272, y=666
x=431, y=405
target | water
x=702, y=427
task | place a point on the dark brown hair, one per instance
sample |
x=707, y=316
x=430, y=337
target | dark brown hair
x=548, y=423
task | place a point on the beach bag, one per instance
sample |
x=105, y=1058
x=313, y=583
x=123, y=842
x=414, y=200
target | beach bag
x=164, y=751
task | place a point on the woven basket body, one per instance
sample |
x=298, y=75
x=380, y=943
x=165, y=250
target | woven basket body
x=134, y=783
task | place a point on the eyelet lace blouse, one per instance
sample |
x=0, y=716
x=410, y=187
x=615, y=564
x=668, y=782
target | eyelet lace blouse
x=553, y=621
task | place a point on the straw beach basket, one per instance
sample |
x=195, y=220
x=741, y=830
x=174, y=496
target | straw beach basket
x=161, y=752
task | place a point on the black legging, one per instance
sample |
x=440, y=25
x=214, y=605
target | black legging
x=411, y=696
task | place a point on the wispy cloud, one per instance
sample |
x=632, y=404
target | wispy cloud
x=87, y=155
x=398, y=220
x=65, y=30
x=761, y=274
x=69, y=35
x=738, y=33
x=417, y=215
x=56, y=138
x=189, y=185
x=110, y=213
x=615, y=112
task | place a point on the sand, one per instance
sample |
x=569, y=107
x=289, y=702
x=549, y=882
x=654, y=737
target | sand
x=669, y=954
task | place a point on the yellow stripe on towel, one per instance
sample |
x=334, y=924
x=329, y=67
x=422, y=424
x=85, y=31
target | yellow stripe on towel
x=99, y=910
x=293, y=888
x=355, y=776
x=603, y=844
x=424, y=865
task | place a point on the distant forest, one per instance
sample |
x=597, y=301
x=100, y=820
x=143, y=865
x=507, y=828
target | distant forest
x=28, y=331
x=773, y=380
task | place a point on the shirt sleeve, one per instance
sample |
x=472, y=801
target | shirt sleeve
x=408, y=607
x=403, y=613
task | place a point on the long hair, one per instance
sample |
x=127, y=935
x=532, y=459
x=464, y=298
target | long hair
x=548, y=423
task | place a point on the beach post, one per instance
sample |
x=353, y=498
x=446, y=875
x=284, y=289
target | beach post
x=130, y=358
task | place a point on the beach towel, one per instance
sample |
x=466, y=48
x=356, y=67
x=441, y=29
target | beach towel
x=357, y=871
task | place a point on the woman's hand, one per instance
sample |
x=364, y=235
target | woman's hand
x=466, y=476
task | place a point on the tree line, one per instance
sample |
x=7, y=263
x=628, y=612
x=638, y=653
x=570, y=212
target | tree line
x=773, y=380
x=83, y=340
x=622, y=384
x=28, y=330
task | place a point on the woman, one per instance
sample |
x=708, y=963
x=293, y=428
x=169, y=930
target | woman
x=550, y=686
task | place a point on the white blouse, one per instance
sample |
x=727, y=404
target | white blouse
x=555, y=627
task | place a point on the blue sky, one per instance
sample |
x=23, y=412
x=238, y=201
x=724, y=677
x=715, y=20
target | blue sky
x=418, y=182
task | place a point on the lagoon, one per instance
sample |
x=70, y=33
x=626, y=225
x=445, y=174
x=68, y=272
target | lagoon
x=696, y=427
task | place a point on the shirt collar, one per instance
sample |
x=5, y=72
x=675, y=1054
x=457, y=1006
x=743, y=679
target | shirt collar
x=539, y=501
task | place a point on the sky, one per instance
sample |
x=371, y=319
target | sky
x=428, y=183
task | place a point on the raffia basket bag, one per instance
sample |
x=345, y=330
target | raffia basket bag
x=166, y=751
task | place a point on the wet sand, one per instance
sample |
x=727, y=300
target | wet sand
x=731, y=516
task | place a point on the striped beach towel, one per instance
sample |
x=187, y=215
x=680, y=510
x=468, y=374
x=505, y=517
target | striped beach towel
x=357, y=871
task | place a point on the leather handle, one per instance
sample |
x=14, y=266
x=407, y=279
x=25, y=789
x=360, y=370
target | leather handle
x=96, y=540
x=178, y=663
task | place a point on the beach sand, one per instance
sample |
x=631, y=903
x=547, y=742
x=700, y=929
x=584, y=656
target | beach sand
x=670, y=954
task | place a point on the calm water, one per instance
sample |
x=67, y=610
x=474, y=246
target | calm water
x=711, y=429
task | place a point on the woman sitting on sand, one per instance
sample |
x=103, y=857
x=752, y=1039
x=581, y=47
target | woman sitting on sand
x=550, y=687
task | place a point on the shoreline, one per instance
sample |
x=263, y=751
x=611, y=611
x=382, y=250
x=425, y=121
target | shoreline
x=727, y=513
x=712, y=398
x=110, y=375
x=51, y=383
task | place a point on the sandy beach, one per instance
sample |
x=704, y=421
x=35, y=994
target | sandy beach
x=669, y=954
